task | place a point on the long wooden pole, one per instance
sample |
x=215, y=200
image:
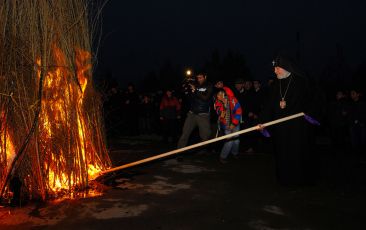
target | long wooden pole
x=170, y=153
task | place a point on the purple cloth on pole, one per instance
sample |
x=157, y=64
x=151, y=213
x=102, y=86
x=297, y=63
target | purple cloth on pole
x=265, y=133
x=311, y=120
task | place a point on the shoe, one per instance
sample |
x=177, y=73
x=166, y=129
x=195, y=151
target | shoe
x=223, y=160
x=250, y=151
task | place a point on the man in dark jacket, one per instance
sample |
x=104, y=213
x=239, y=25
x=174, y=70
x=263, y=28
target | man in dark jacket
x=200, y=97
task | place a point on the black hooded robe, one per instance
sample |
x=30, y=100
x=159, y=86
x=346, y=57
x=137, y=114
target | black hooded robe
x=293, y=139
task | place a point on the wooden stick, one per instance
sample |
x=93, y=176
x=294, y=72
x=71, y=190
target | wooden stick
x=200, y=144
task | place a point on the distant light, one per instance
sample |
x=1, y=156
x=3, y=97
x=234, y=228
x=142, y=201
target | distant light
x=188, y=72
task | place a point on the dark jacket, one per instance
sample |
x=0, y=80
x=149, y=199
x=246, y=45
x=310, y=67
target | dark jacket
x=201, y=98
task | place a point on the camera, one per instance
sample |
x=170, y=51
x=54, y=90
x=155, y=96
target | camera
x=187, y=84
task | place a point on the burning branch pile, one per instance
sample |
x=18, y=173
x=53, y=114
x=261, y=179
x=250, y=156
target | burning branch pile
x=51, y=136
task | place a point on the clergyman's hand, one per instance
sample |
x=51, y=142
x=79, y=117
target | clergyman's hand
x=260, y=127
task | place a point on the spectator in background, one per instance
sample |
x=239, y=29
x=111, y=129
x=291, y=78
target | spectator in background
x=357, y=116
x=131, y=105
x=337, y=117
x=249, y=116
x=170, y=109
x=146, y=115
x=244, y=93
x=239, y=90
x=258, y=98
x=239, y=94
x=112, y=111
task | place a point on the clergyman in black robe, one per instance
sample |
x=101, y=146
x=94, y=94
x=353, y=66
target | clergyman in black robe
x=294, y=155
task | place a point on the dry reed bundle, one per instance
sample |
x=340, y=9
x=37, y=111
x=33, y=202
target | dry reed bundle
x=51, y=134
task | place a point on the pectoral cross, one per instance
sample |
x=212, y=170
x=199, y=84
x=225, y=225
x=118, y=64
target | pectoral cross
x=282, y=103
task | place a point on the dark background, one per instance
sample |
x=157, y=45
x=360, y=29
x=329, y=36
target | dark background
x=150, y=39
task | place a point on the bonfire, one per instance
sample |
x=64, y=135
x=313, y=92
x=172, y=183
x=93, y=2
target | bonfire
x=51, y=129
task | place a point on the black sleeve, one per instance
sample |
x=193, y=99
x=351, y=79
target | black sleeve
x=268, y=102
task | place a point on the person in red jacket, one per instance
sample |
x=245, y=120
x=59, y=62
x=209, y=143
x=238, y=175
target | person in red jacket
x=229, y=112
x=220, y=85
x=170, y=108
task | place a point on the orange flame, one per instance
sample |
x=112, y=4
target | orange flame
x=60, y=95
x=7, y=149
x=7, y=145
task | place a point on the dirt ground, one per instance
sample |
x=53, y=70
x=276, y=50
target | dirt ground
x=199, y=192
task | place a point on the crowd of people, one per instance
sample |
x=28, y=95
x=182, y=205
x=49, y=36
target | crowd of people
x=219, y=108
x=346, y=121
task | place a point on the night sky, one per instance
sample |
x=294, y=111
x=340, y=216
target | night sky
x=138, y=36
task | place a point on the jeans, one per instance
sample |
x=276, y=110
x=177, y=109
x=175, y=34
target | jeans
x=231, y=145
